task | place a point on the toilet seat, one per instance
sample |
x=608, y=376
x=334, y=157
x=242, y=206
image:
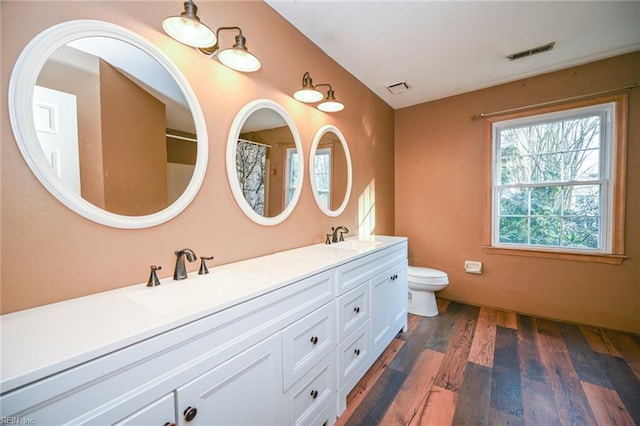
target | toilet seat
x=420, y=275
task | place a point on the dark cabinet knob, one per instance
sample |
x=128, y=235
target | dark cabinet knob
x=357, y=352
x=314, y=340
x=169, y=424
x=356, y=309
x=190, y=413
x=314, y=394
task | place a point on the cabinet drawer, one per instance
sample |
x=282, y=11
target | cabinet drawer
x=307, y=341
x=353, y=310
x=326, y=417
x=356, y=272
x=353, y=353
x=317, y=389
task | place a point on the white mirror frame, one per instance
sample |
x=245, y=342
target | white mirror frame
x=314, y=148
x=232, y=174
x=21, y=88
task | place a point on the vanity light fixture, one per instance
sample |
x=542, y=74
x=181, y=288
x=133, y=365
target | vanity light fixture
x=330, y=104
x=237, y=57
x=187, y=29
x=310, y=94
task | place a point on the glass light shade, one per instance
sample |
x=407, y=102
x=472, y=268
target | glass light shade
x=189, y=31
x=239, y=60
x=308, y=95
x=330, y=106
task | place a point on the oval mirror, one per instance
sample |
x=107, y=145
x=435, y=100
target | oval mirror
x=264, y=162
x=108, y=124
x=330, y=170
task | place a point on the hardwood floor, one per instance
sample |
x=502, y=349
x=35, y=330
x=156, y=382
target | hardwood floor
x=480, y=366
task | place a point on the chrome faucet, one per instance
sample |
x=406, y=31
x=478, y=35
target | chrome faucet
x=180, y=272
x=334, y=236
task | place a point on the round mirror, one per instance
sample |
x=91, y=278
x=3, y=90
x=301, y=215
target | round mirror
x=108, y=124
x=264, y=163
x=330, y=170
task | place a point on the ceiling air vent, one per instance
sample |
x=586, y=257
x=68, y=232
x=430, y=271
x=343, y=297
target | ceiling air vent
x=544, y=48
x=397, y=88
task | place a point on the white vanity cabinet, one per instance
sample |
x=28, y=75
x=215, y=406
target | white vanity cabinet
x=201, y=361
x=372, y=309
x=283, y=356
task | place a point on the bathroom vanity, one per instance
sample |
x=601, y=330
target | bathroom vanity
x=280, y=339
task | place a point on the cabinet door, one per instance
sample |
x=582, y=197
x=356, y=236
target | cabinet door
x=400, y=289
x=381, y=312
x=245, y=390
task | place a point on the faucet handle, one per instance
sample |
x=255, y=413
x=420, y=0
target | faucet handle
x=203, y=265
x=153, y=277
x=328, y=239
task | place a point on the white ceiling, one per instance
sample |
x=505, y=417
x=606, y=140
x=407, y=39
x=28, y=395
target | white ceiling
x=449, y=47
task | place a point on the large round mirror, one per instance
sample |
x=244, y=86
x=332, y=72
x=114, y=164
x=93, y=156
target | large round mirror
x=108, y=124
x=264, y=162
x=330, y=170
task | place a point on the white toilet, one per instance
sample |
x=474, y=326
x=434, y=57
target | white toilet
x=423, y=283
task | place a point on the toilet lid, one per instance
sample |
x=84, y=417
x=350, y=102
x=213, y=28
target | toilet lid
x=427, y=275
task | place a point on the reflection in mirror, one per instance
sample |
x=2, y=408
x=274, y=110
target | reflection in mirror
x=330, y=170
x=108, y=124
x=124, y=138
x=263, y=162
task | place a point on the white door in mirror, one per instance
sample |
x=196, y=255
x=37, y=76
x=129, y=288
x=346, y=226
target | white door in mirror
x=54, y=116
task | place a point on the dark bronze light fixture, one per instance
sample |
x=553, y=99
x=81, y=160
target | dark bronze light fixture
x=309, y=93
x=187, y=29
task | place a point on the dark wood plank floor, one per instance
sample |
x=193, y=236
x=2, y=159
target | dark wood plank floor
x=480, y=366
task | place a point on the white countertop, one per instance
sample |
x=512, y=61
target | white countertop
x=41, y=341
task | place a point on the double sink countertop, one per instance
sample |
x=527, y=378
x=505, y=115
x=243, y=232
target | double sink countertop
x=41, y=341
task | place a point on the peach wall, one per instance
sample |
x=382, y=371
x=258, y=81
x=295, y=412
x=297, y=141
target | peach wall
x=134, y=146
x=439, y=203
x=50, y=253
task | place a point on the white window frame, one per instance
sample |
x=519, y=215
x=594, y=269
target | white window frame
x=289, y=185
x=325, y=152
x=611, y=179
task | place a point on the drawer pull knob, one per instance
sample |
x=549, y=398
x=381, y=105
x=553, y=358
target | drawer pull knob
x=169, y=424
x=314, y=394
x=190, y=413
x=356, y=309
x=314, y=340
x=357, y=352
x=394, y=277
x=325, y=423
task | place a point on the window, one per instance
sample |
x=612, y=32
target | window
x=291, y=174
x=557, y=180
x=322, y=174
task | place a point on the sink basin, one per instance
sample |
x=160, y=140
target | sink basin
x=200, y=290
x=360, y=245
